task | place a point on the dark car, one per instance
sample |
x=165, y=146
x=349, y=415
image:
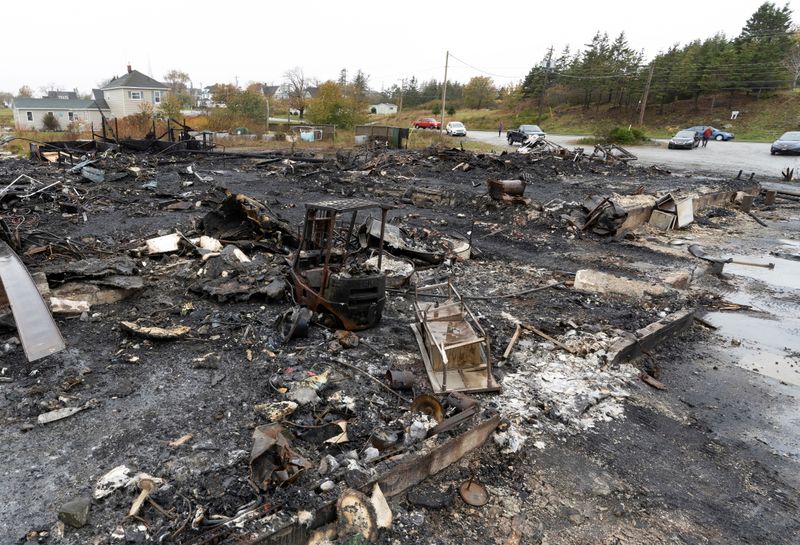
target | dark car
x=427, y=123
x=685, y=139
x=789, y=142
x=716, y=134
x=521, y=134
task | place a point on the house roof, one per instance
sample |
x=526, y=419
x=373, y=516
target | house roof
x=136, y=79
x=270, y=90
x=22, y=103
x=100, y=99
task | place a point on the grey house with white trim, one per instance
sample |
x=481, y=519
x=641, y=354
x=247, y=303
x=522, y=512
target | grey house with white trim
x=120, y=97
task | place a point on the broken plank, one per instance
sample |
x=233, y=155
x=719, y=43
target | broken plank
x=651, y=381
x=704, y=322
x=544, y=335
x=650, y=336
x=512, y=342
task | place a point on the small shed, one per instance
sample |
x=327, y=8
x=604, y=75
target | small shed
x=393, y=137
x=383, y=108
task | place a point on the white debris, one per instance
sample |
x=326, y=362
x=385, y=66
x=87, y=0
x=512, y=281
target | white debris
x=209, y=243
x=575, y=391
x=328, y=464
x=511, y=440
x=303, y=395
x=164, y=244
x=114, y=479
x=342, y=402
x=371, y=453
x=418, y=430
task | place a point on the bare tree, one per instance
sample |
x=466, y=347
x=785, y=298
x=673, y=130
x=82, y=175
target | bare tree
x=297, y=88
x=25, y=91
x=792, y=60
x=178, y=81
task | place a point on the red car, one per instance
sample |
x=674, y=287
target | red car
x=427, y=123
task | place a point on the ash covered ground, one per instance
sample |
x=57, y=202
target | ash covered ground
x=586, y=452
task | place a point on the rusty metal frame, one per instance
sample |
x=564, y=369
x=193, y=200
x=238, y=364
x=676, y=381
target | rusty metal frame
x=307, y=295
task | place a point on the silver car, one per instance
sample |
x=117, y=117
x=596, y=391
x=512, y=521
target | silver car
x=456, y=128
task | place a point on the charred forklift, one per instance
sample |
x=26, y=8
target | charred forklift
x=328, y=271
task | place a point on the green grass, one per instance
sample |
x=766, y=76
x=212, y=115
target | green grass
x=6, y=117
x=760, y=120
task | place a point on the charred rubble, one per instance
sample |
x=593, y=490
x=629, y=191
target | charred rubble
x=203, y=396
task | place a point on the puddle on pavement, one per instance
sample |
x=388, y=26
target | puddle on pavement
x=786, y=273
x=770, y=344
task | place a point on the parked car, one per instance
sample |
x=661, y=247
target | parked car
x=716, y=134
x=456, y=128
x=685, y=139
x=427, y=123
x=521, y=134
x=789, y=142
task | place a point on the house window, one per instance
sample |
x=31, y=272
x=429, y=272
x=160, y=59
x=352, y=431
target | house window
x=135, y=95
x=29, y=115
x=71, y=116
x=157, y=97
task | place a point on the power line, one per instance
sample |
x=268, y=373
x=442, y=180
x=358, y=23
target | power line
x=484, y=71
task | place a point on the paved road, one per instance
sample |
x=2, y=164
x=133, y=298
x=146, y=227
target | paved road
x=722, y=157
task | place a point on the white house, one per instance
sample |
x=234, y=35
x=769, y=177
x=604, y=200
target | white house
x=383, y=108
x=66, y=107
x=125, y=95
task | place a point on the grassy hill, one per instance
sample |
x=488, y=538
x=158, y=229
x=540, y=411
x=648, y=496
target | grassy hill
x=760, y=120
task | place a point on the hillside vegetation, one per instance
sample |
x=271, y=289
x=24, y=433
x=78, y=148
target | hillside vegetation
x=759, y=120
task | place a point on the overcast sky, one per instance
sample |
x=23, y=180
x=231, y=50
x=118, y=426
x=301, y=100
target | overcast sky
x=75, y=44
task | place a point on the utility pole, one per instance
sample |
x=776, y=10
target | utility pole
x=544, y=84
x=444, y=89
x=267, y=114
x=646, y=93
x=402, y=90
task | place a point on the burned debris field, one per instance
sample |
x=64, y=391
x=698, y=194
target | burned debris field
x=211, y=391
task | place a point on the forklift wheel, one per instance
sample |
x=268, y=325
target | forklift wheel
x=294, y=323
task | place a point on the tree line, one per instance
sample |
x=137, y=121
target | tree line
x=763, y=58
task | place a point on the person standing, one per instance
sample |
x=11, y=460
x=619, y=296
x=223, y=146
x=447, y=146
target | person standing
x=500, y=128
x=706, y=135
